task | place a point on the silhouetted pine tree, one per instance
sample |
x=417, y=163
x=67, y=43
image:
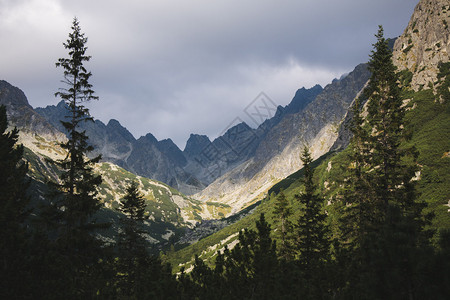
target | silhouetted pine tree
x=13, y=212
x=139, y=274
x=250, y=270
x=75, y=198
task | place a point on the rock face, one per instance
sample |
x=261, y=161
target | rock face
x=302, y=98
x=195, y=145
x=425, y=42
x=21, y=114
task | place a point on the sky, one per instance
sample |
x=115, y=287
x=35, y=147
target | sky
x=176, y=67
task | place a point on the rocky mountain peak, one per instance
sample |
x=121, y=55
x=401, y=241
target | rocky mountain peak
x=302, y=98
x=115, y=126
x=12, y=96
x=195, y=144
x=425, y=42
x=148, y=138
x=22, y=115
x=172, y=151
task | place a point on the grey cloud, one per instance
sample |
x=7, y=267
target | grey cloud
x=175, y=67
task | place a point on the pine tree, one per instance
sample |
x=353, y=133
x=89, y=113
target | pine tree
x=282, y=211
x=131, y=243
x=75, y=199
x=133, y=207
x=13, y=170
x=379, y=194
x=140, y=274
x=385, y=120
x=13, y=212
x=78, y=182
x=312, y=240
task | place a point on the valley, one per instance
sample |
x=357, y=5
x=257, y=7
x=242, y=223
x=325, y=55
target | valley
x=342, y=193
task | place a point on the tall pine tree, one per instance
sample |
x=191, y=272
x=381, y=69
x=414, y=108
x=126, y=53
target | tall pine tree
x=379, y=196
x=75, y=199
x=78, y=181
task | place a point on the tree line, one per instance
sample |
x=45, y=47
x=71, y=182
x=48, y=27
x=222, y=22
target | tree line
x=379, y=250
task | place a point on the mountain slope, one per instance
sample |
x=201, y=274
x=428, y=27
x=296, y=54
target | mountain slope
x=277, y=155
x=21, y=114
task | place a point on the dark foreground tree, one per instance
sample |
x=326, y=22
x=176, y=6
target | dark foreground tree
x=379, y=195
x=75, y=199
x=131, y=243
x=140, y=275
x=13, y=211
x=312, y=240
x=78, y=181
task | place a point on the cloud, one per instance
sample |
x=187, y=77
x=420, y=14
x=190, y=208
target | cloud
x=175, y=67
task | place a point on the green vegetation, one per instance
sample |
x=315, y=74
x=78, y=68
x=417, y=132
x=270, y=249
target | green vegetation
x=406, y=50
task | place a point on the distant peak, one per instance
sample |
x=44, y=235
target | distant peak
x=113, y=122
x=61, y=104
x=11, y=95
x=167, y=141
x=196, y=143
x=150, y=137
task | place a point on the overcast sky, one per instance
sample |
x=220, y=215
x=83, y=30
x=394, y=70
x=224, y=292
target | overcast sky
x=176, y=67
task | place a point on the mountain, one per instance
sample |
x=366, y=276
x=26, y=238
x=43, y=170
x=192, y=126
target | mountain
x=169, y=212
x=190, y=170
x=146, y=156
x=21, y=113
x=195, y=145
x=277, y=153
x=302, y=98
x=229, y=162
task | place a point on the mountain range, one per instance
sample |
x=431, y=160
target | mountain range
x=223, y=176
x=236, y=156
